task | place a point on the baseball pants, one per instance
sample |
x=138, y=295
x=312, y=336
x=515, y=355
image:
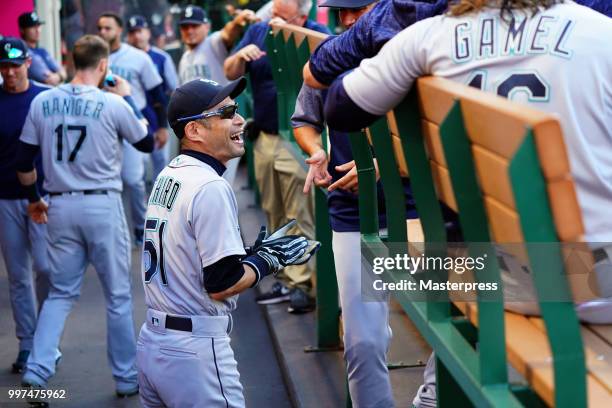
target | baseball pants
x=24, y=248
x=281, y=179
x=367, y=334
x=188, y=369
x=132, y=174
x=87, y=229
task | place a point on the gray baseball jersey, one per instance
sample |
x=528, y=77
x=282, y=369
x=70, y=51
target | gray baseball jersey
x=191, y=222
x=138, y=69
x=558, y=61
x=61, y=121
x=205, y=61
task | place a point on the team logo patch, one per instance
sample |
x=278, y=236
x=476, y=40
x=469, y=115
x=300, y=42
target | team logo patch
x=155, y=321
x=133, y=21
x=188, y=12
x=209, y=81
x=12, y=52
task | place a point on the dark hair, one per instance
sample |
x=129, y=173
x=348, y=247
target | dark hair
x=460, y=7
x=114, y=16
x=88, y=51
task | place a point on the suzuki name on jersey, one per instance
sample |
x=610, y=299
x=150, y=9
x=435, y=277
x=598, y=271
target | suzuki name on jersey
x=165, y=192
x=72, y=107
x=494, y=37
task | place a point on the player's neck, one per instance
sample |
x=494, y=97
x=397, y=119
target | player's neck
x=31, y=44
x=114, y=46
x=19, y=88
x=86, y=77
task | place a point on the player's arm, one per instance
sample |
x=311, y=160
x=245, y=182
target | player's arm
x=160, y=105
x=128, y=118
x=232, y=30
x=235, y=65
x=307, y=123
x=339, y=54
x=357, y=99
x=26, y=173
x=228, y=277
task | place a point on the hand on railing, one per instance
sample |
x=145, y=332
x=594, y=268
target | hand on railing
x=317, y=171
x=350, y=181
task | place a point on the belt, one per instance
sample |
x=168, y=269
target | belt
x=179, y=323
x=84, y=192
x=600, y=255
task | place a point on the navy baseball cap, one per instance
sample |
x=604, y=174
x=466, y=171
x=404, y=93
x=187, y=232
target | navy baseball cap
x=30, y=19
x=13, y=50
x=193, y=15
x=197, y=96
x=136, y=22
x=346, y=4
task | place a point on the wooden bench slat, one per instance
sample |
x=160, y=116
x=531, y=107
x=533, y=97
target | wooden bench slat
x=444, y=188
x=433, y=144
x=504, y=222
x=489, y=167
x=598, y=353
x=529, y=353
x=565, y=210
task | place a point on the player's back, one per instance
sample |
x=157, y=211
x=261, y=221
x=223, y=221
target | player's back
x=557, y=61
x=78, y=129
x=191, y=223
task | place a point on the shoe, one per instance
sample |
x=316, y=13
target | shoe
x=34, y=402
x=138, y=237
x=130, y=391
x=20, y=363
x=278, y=294
x=300, y=302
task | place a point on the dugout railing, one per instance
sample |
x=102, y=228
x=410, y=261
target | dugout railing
x=504, y=170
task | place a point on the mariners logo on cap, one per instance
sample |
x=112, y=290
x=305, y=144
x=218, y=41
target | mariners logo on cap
x=12, y=52
x=188, y=12
x=133, y=21
x=34, y=16
x=209, y=81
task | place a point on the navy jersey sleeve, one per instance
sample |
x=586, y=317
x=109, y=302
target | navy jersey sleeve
x=341, y=53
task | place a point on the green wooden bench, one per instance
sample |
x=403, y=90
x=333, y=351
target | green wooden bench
x=504, y=169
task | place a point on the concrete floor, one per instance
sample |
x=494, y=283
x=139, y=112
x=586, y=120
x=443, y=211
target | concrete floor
x=85, y=374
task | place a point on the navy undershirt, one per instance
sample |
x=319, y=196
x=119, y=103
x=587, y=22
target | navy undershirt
x=14, y=108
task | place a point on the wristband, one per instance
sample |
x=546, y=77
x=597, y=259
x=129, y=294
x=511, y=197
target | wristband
x=259, y=265
x=32, y=193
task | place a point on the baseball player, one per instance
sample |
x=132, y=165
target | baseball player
x=528, y=55
x=78, y=128
x=139, y=36
x=23, y=242
x=44, y=68
x=366, y=324
x=137, y=68
x=205, y=54
x=194, y=261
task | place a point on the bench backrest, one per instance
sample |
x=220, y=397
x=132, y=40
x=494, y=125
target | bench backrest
x=504, y=169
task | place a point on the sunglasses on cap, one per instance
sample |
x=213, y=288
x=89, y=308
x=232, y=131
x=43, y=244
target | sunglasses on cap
x=224, y=112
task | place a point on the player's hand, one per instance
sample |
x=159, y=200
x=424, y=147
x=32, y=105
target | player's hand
x=317, y=171
x=350, y=182
x=161, y=137
x=121, y=88
x=244, y=17
x=277, y=21
x=251, y=53
x=38, y=211
x=53, y=79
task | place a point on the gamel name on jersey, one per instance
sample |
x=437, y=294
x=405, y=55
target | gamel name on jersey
x=165, y=192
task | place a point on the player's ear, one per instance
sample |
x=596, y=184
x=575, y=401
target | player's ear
x=103, y=65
